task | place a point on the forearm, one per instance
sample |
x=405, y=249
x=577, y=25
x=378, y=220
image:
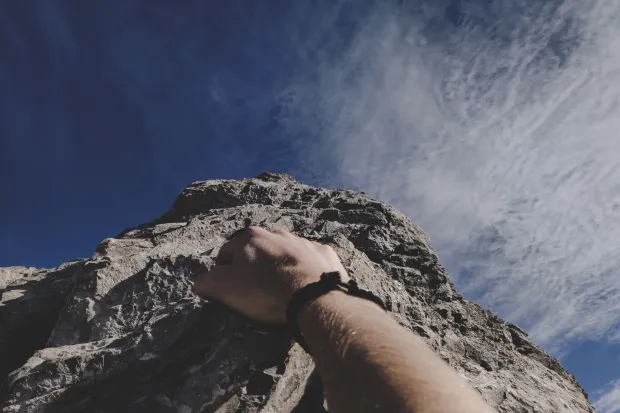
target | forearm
x=368, y=363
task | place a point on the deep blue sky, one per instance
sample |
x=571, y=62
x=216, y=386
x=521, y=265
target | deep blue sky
x=109, y=109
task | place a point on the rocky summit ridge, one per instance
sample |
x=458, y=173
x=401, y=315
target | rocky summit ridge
x=122, y=331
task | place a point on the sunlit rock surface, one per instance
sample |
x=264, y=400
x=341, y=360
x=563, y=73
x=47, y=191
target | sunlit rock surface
x=123, y=332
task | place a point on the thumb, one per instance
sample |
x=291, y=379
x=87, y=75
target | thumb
x=216, y=284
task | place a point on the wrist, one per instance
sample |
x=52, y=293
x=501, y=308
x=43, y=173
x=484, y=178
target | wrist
x=326, y=301
x=328, y=306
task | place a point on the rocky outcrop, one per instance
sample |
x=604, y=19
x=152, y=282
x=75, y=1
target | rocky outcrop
x=122, y=331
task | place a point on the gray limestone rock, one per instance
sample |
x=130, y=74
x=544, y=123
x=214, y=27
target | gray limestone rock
x=123, y=332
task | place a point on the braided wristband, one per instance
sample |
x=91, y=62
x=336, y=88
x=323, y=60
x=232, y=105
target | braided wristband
x=329, y=281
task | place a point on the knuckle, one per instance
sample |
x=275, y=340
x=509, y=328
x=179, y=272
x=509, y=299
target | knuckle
x=330, y=251
x=327, y=248
x=310, y=244
x=321, y=247
x=254, y=231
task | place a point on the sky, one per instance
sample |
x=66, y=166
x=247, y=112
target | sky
x=493, y=125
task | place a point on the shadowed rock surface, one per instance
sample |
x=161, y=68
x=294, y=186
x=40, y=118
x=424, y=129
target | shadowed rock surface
x=123, y=332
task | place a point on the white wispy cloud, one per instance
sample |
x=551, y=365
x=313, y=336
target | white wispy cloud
x=608, y=401
x=502, y=139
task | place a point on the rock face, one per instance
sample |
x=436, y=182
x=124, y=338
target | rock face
x=123, y=332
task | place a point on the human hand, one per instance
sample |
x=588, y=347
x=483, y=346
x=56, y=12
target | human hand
x=257, y=272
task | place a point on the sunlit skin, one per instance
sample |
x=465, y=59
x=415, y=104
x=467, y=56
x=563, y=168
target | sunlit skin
x=367, y=362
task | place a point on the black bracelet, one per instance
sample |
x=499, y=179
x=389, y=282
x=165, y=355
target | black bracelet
x=329, y=281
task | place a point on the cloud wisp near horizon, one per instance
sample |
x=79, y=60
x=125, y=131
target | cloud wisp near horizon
x=608, y=399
